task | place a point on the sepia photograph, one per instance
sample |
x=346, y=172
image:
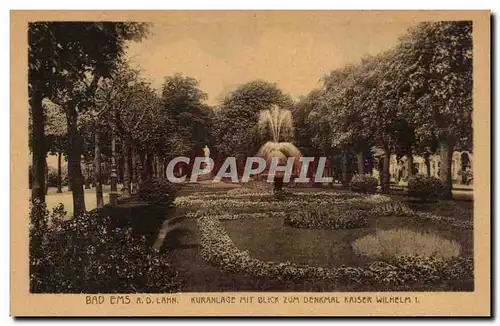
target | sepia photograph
x=251, y=161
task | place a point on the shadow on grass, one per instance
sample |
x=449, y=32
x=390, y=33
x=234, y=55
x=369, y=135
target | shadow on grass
x=175, y=239
x=144, y=219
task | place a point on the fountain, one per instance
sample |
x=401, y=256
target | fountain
x=280, y=123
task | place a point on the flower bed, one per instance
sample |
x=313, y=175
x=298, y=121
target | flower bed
x=219, y=249
x=236, y=216
x=88, y=254
x=266, y=200
x=326, y=217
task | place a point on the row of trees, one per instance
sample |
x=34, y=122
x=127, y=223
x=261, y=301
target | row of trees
x=415, y=98
x=87, y=104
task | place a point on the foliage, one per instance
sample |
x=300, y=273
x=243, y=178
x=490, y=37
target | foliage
x=88, y=255
x=407, y=99
x=63, y=52
x=264, y=199
x=364, y=183
x=311, y=136
x=66, y=61
x=157, y=192
x=58, y=213
x=425, y=187
x=56, y=134
x=434, y=68
x=386, y=244
x=182, y=102
x=326, y=217
x=223, y=216
x=52, y=177
x=237, y=116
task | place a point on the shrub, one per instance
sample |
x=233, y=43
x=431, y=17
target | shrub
x=58, y=213
x=364, y=183
x=88, y=255
x=389, y=244
x=158, y=192
x=52, y=177
x=321, y=216
x=425, y=187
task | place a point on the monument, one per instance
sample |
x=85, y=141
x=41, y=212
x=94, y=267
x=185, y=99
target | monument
x=205, y=165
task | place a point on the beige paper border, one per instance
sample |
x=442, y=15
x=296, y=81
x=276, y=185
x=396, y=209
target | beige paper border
x=430, y=304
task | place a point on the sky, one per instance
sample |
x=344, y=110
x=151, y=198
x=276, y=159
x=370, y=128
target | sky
x=293, y=49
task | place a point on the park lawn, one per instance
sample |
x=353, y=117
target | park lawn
x=270, y=239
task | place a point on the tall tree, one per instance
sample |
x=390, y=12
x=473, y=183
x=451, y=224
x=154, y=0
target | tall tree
x=437, y=57
x=74, y=57
x=183, y=102
x=237, y=116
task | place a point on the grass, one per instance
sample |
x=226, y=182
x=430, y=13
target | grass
x=386, y=244
x=270, y=239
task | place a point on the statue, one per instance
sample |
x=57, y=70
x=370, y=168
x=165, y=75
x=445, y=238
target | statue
x=206, y=165
x=206, y=151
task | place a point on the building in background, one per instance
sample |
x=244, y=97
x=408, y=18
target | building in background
x=461, y=167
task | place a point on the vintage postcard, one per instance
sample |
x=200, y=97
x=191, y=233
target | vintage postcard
x=250, y=163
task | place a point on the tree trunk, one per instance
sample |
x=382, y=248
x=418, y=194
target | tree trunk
x=154, y=172
x=345, y=177
x=74, y=161
x=119, y=167
x=87, y=180
x=127, y=173
x=149, y=166
x=97, y=170
x=409, y=161
x=385, y=180
x=428, y=164
x=141, y=167
x=133, y=178
x=38, y=147
x=446, y=153
x=69, y=173
x=361, y=162
x=113, y=195
x=46, y=171
x=164, y=169
x=59, y=178
x=159, y=173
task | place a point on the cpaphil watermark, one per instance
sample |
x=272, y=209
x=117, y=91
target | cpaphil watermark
x=296, y=168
